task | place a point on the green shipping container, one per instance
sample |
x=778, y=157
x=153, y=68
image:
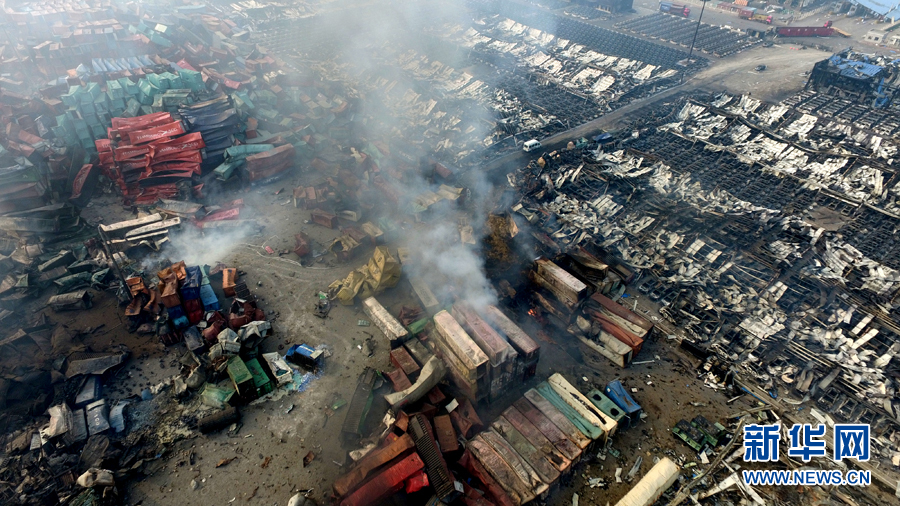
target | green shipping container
x=261, y=380
x=156, y=81
x=130, y=87
x=133, y=108
x=71, y=98
x=91, y=92
x=241, y=377
x=100, y=104
x=114, y=90
x=170, y=80
x=606, y=405
x=85, y=109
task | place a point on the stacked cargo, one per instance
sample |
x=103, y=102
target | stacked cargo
x=269, y=165
x=468, y=365
x=565, y=288
x=502, y=357
x=235, y=157
x=257, y=163
x=21, y=187
x=534, y=443
x=617, y=328
x=87, y=117
x=91, y=110
x=528, y=351
x=169, y=280
x=207, y=295
x=603, y=327
x=105, y=66
x=217, y=121
x=527, y=451
x=190, y=295
x=148, y=156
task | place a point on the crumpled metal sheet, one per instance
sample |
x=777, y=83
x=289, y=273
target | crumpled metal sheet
x=93, y=363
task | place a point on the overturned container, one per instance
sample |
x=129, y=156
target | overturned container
x=74, y=301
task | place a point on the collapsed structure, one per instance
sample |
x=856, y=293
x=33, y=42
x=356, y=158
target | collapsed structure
x=857, y=76
x=762, y=229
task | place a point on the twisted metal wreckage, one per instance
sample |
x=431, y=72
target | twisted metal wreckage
x=525, y=75
x=767, y=232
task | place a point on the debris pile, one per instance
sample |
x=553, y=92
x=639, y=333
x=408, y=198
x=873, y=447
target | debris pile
x=740, y=218
x=438, y=447
x=864, y=78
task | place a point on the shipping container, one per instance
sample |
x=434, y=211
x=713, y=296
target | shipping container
x=389, y=326
x=583, y=405
x=529, y=352
x=370, y=462
x=558, y=418
x=455, y=340
x=531, y=432
x=804, y=31
x=589, y=427
x=501, y=356
x=386, y=482
x=652, y=485
x=674, y=9
x=605, y=345
x=500, y=471
x=617, y=393
x=425, y=295
x=567, y=289
x=535, y=457
x=606, y=405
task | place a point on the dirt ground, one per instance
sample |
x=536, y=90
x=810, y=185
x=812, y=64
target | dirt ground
x=275, y=435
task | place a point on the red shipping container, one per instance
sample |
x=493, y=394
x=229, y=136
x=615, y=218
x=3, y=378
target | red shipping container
x=399, y=380
x=386, y=483
x=151, y=134
x=320, y=217
x=192, y=305
x=102, y=145
x=180, y=169
x=401, y=359
x=185, y=142
x=124, y=131
x=118, y=123
x=195, y=317
x=139, y=163
x=211, y=333
x=302, y=242
x=417, y=482
x=162, y=177
x=179, y=156
x=236, y=322
x=123, y=153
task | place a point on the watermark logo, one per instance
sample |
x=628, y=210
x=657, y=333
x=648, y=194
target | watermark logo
x=807, y=445
x=851, y=441
x=761, y=443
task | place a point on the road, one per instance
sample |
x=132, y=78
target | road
x=786, y=64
